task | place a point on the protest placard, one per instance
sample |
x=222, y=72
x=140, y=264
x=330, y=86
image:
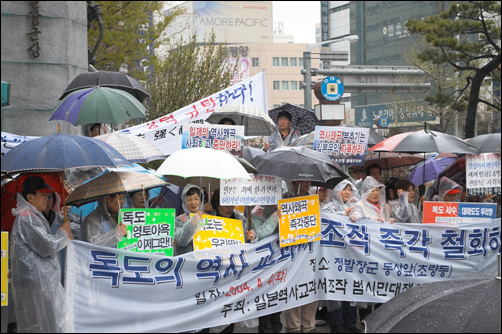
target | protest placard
x=260, y=190
x=5, y=268
x=346, y=146
x=453, y=212
x=148, y=230
x=215, y=136
x=218, y=232
x=483, y=174
x=299, y=222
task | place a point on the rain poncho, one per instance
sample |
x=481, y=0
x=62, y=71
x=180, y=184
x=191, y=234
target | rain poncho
x=367, y=210
x=100, y=228
x=186, y=226
x=39, y=297
x=403, y=211
x=264, y=221
x=337, y=205
x=128, y=201
x=327, y=200
x=276, y=139
x=446, y=185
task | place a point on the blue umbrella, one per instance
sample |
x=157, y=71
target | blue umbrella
x=59, y=152
x=432, y=169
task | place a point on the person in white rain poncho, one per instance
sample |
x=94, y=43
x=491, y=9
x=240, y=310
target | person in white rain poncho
x=39, y=297
x=372, y=203
x=403, y=209
x=449, y=190
x=344, y=199
x=101, y=227
x=186, y=227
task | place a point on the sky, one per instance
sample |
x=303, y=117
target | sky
x=299, y=18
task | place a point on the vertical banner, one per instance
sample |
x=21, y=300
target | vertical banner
x=166, y=132
x=346, y=146
x=5, y=268
x=483, y=174
x=299, y=222
x=453, y=212
x=148, y=230
x=218, y=232
x=217, y=137
x=260, y=190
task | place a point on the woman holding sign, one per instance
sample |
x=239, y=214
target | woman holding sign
x=192, y=200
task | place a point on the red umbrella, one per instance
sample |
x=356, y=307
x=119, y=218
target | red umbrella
x=9, y=191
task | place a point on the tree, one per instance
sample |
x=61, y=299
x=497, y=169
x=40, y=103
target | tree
x=466, y=37
x=131, y=30
x=188, y=73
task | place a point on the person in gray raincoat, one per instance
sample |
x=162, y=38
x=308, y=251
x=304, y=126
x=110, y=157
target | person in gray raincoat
x=344, y=199
x=283, y=135
x=449, y=190
x=38, y=295
x=192, y=199
x=403, y=208
x=372, y=202
x=101, y=227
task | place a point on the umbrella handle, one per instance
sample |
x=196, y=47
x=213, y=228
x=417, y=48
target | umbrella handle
x=290, y=139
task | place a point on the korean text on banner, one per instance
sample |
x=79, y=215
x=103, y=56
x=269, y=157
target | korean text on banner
x=453, y=212
x=148, y=230
x=218, y=232
x=166, y=132
x=260, y=190
x=347, y=146
x=299, y=222
x=365, y=261
x=217, y=137
x=483, y=174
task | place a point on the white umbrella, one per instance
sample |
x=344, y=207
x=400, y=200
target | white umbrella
x=133, y=148
x=201, y=166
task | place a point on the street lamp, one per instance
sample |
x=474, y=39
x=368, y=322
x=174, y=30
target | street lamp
x=307, y=68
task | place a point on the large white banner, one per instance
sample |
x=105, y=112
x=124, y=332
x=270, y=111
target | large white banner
x=166, y=132
x=111, y=290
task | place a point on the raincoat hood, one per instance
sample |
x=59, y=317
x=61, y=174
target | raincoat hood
x=338, y=190
x=184, y=198
x=368, y=185
x=446, y=185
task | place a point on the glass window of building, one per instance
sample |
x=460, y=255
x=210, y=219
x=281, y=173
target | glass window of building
x=300, y=62
x=285, y=85
x=284, y=61
x=275, y=61
x=294, y=85
x=277, y=85
x=292, y=61
x=255, y=62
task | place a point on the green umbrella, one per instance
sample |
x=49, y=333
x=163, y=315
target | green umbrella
x=5, y=93
x=98, y=105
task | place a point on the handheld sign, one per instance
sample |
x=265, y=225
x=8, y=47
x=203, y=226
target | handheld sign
x=299, y=222
x=218, y=232
x=148, y=230
x=5, y=268
x=453, y=212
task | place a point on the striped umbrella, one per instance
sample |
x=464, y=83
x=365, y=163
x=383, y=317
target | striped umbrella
x=256, y=122
x=111, y=182
x=133, y=148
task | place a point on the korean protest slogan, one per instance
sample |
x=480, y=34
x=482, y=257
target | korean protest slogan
x=453, y=212
x=218, y=232
x=483, y=174
x=364, y=261
x=260, y=190
x=345, y=145
x=217, y=137
x=148, y=230
x=299, y=222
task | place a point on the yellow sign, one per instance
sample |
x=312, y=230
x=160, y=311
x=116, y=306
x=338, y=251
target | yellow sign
x=5, y=268
x=299, y=221
x=218, y=232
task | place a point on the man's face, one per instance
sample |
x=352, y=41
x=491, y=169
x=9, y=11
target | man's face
x=375, y=173
x=225, y=211
x=323, y=193
x=284, y=123
x=39, y=200
x=358, y=175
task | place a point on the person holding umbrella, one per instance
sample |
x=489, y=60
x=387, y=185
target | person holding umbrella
x=101, y=227
x=283, y=135
x=39, y=297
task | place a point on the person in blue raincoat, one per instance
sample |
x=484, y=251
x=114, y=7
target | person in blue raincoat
x=101, y=227
x=39, y=297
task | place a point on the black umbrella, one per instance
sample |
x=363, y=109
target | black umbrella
x=489, y=143
x=304, y=121
x=470, y=304
x=299, y=164
x=110, y=79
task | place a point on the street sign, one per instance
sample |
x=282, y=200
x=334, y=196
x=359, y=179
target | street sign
x=366, y=116
x=332, y=88
x=382, y=121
